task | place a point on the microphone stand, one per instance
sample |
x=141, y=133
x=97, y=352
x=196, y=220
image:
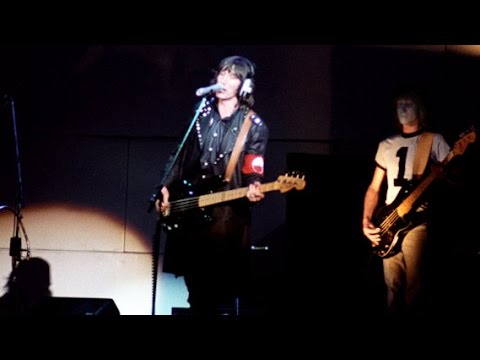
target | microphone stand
x=156, y=195
x=15, y=241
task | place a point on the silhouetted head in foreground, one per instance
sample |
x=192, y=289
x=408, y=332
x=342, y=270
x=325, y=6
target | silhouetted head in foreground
x=28, y=284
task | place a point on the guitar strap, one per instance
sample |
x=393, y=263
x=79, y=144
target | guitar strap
x=242, y=136
x=422, y=154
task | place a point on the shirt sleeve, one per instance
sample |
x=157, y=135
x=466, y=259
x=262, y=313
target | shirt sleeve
x=440, y=148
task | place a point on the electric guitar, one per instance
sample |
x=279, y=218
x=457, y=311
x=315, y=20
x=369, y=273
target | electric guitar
x=194, y=206
x=393, y=219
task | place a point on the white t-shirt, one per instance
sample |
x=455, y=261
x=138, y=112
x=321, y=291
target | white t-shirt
x=396, y=154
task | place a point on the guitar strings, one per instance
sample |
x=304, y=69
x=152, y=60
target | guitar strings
x=193, y=202
x=389, y=220
x=385, y=225
x=189, y=203
x=184, y=204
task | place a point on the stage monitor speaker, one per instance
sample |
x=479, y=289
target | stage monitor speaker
x=70, y=306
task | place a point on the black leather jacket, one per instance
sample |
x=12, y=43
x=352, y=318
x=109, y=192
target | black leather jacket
x=209, y=147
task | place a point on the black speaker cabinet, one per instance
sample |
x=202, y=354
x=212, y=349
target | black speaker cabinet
x=70, y=306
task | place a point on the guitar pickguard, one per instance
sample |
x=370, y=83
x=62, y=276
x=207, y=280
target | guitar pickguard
x=392, y=225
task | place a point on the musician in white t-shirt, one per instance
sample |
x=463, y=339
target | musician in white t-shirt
x=405, y=240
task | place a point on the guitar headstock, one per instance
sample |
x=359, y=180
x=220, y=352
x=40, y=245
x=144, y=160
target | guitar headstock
x=461, y=144
x=289, y=181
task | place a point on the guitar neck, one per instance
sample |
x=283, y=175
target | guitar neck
x=407, y=205
x=228, y=195
x=283, y=184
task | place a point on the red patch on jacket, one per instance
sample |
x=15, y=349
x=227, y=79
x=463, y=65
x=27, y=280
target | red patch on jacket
x=253, y=164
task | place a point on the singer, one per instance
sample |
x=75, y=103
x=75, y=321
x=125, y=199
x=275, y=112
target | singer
x=212, y=252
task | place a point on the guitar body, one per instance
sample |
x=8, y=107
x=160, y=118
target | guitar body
x=188, y=213
x=393, y=229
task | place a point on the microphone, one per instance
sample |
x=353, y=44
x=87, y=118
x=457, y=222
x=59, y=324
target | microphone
x=205, y=90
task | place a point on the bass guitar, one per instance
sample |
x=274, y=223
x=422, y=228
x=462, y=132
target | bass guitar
x=394, y=220
x=195, y=205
